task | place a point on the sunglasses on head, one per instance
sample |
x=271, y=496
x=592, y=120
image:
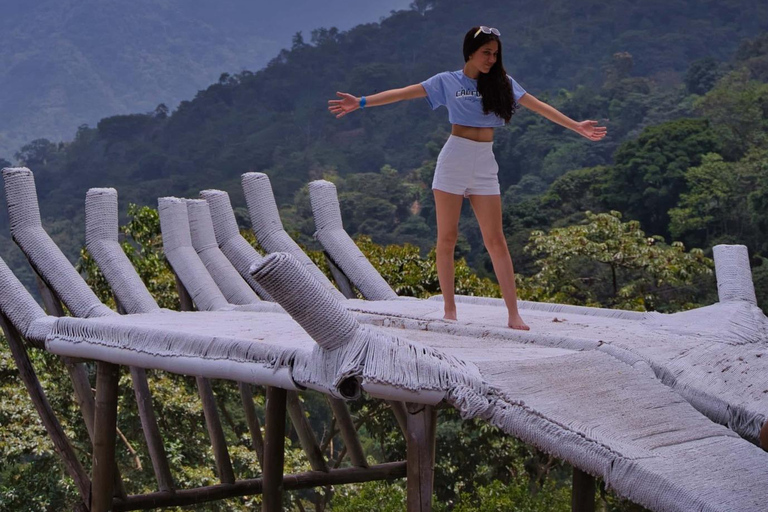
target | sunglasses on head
x=488, y=30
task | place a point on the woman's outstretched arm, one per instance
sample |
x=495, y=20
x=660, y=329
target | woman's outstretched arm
x=348, y=103
x=588, y=129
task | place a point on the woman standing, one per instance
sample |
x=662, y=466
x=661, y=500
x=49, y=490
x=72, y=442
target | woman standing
x=479, y=98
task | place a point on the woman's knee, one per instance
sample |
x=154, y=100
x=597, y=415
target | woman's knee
x=496, y=243
x=447, y=239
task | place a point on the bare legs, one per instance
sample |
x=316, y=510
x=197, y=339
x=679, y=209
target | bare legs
x=448, y=208
x=488, y=212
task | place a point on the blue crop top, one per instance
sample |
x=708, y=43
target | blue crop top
x=459, y=94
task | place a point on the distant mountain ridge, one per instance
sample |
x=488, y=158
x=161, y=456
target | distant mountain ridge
x=64, y=63
x=623, y=60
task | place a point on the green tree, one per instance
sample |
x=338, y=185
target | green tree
x=737, y=109
x=606, y=262
x=724, y=201
x=649, y=174
x=408, y=273
x=702, y=75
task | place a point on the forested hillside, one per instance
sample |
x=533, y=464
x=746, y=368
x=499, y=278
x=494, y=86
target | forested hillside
x=627, y=222
x=69, y=62
x=647, y=69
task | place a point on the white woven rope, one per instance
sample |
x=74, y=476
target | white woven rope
x=229, y=281
x=608, y=418
x=268, y=228
x=101, y=238
x=237, y=250
x=43, y=254
x=177, y=245
x=613, y=425
x=734, y=276
x=350, y=350
x=549, y=307
x=341, y=248
x=16, y=303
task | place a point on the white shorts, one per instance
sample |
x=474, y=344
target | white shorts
x=467, y=168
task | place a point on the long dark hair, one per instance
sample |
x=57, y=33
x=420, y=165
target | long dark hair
x=493, y=86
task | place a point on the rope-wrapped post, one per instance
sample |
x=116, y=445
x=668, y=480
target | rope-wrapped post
x=101, y=219
x=734, y=276
x=237, y=250
x=262, y=207
x=101, y=238
x=268, y=228
x=44, y=256
x=340, y=247
x=325, y=205
x=329, y=323
x=17, y=304
x=229, y=281
x=21, y=195
x=177, y=245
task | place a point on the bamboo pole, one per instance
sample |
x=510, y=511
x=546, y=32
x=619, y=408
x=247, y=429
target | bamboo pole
x=401, y=415
x=50, y=422
x=215, y=431
x=149, y=424
x=151, y=431
x=307, y=437
x=348, y=433
x=105, y=423
x=212, y=420
x=583, y=492
x=308, y=480
x=246, y=395
x=274, y=446
x=422, y=421
x=78, y=374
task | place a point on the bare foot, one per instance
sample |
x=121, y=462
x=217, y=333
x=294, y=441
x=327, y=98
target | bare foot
x=450, y=314
x=516, y=322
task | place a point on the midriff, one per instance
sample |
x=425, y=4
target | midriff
x=472, y=133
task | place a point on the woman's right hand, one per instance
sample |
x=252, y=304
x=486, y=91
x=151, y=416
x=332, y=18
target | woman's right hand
x=343, y=106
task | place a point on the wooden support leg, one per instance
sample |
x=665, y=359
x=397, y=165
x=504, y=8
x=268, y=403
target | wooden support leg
x=274, y=446
x=401, y=415
x=78, y=374
x=105, y=423
x=303, y=429
x=151, y=431
x=246, y=395
x=149, y=423
x=583, y=492
x=348, y=433
x=216, y=433
x=212, y=421
x=422, y=423
x=52, y=426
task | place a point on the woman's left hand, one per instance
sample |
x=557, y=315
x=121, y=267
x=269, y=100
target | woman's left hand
x=590, y=130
